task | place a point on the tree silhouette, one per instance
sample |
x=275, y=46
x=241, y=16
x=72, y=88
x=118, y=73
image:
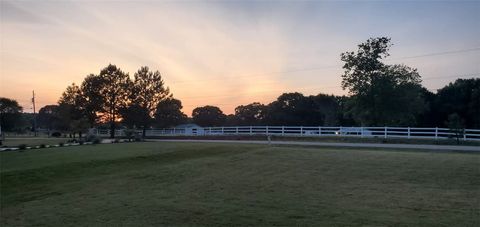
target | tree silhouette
x=147, y=92
x=208, y=116
x=169, y=113
x=251, y=114
x=113, y=89
x=381, y=94
x=10, y=114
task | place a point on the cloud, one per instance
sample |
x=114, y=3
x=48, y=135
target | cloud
x=230, y=53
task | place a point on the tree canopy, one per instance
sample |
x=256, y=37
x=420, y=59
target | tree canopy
x=381, y=94
x=169, y=113
x=208, y=116
x=10, y=114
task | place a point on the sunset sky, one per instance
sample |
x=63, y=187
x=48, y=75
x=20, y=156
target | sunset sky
x=227, y=53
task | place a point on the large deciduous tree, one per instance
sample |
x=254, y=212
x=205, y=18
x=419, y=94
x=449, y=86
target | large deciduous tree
x=461, y=97
x=71, y=111
x=208, y=116
x=169, y=113
x=251, y=114
x=147, y=92
x=381, y=94
x=113, y=90
x=328, y=107
x=49, y=118
x=294, y=109
x=91, y=101
x=10, y=114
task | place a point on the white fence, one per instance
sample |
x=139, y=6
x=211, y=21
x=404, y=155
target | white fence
x=379, y=132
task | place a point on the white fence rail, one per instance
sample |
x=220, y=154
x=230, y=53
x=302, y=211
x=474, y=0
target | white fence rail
x=380, y=132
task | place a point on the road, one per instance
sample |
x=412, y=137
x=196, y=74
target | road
x=326, y=144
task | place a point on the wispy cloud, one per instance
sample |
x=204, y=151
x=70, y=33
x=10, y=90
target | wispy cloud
x=212, y=49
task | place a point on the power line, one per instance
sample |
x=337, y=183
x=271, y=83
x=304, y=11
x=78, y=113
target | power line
x=336, y=86
x=315, y=68
x=438, y=53
x=458, y=76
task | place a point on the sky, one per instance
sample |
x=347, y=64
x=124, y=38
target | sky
x=227, y=53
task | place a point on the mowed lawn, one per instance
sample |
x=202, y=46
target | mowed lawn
x=162, y=183
x=33, y=141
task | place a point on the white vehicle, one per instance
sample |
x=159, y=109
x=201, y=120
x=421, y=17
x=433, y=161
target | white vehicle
x=353, y=131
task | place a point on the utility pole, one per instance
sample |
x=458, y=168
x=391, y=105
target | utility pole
x=34, y=118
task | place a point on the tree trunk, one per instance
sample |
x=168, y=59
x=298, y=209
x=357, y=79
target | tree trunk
x=112, y=129
x=144, y=131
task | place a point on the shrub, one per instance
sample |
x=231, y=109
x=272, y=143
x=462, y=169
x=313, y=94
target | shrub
x=42, y=146
x=115, y=141
x=56, y=134
x=61, y=144
x=72, y=141
x=92, y=138
x=138, y=137
x=22, y=146
x=97, y=140
x=81, y=142
x=129, y=134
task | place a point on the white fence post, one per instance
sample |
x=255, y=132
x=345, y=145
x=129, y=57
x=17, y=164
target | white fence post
x=319, y=130
x=283, y=130
x=361, y=132
x=251, y=132
x=385, y=132
x=301, y=130
x=223, y=131
x=436, y=132
x=408, y=136
x=236, y=130
x=267, y=130
x=464, y=135
x=174, y=133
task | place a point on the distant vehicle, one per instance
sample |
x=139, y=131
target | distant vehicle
x=353, y=131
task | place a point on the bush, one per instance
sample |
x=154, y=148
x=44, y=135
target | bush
x=115, y=141
x=97, y=140
x=138, y=137
x=42, y=146
x=92, y=138
x=56, y=134
x=72, y=141
x=81, y=142
x=22, y=146
x=129, y=134
x=61, y=144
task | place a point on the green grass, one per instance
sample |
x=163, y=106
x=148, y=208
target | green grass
x=329, y=139
x=162, y=183
x=32, y=141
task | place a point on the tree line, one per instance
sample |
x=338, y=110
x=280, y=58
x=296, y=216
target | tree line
x=378, y=95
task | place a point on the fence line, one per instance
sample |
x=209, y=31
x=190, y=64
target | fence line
x=312, y=131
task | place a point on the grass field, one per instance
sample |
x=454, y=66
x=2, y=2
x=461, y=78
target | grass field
x=138, y=184
x=329, y=139
x=33, y=141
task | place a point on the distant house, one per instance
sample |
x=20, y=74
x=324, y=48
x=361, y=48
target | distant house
x=190, y=129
